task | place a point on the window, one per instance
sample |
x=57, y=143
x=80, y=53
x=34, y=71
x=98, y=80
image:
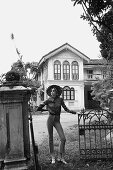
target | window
x=104, y=74
x=68, y=93
x=57, y=70
x=75, y=70
x=72, y=94
x=90, y=74
x=66, y=70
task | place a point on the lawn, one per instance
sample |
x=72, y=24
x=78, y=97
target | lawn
x=71, y=155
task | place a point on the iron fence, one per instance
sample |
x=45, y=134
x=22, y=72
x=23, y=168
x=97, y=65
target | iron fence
x=95, y=134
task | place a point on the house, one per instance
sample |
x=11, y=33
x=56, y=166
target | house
x=73, y=71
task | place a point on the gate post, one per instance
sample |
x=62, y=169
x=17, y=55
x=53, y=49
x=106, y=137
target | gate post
x=14, y=127
x=14, y=124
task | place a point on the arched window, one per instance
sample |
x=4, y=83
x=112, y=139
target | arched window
x=68, y=93
x=72, y=94
x=75, y=70
x=66, y=70
x=57, y=70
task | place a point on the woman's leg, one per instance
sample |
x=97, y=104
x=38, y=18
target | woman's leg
x=50, y=123
x=60, y=131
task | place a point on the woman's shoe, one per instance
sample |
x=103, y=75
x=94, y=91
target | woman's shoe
x=63, y=161
x=53, y=161
x=59, y=159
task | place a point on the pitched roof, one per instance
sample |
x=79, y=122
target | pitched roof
x=61, y=48
x=96, y=62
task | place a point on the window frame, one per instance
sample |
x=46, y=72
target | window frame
x=68, y=93
x=104, y=74
x=90, y=75
x=75, y=70
x=66, y=70
x=57, y=70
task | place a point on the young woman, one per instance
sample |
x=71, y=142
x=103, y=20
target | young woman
x=54, y=103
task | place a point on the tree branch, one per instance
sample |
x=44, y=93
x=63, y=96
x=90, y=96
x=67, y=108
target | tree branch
x=91, y=21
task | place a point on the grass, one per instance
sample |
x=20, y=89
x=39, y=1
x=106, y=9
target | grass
x=71, y=155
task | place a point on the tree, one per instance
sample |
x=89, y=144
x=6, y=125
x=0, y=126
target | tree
x=101, y=93
x=94, y=11
x=99, y=14
x=27, y=75
x=2, y=78
x=105, y=37
x=19, y=67
x=26, y=70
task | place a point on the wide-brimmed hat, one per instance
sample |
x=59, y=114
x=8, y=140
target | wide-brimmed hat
x=58, y=88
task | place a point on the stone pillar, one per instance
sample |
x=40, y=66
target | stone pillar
x=14, y=127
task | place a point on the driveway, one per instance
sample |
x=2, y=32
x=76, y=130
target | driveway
x=40, y=129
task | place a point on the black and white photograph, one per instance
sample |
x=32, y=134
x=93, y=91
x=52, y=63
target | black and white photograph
x=56, y=85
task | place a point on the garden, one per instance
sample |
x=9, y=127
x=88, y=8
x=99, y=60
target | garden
x=72, y=155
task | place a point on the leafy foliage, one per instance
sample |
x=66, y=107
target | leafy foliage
x=2, y=78
x=12, y=76
x=99, y=14
x=95, y=7
x=105, y=36
x=27, y=73
x=19, y=67
x=100, y=90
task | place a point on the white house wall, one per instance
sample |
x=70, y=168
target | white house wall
x=78, y=103
x=46, y=75
x=45, y=72
x=97, y=73
x=43, y=76
x=78, y=85
x=70, y=57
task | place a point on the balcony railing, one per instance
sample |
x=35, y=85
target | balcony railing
x=95, y=76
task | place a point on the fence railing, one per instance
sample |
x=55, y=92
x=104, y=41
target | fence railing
x=95, y=134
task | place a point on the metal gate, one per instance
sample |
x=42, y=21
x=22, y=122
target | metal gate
x=95, y=134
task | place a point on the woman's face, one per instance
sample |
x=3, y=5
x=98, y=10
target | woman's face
x=53, y=93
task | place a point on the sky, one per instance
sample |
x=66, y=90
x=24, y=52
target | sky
x=40, y=26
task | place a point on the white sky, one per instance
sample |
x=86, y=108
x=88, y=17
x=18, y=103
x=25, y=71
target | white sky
x=40, y=26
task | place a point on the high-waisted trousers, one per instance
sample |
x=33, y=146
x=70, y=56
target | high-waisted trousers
x=54, y=121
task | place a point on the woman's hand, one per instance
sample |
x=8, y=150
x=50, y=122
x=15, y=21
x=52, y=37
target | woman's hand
x=36, y=108
x=73, y=112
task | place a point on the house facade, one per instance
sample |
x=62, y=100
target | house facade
x=73, y=71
